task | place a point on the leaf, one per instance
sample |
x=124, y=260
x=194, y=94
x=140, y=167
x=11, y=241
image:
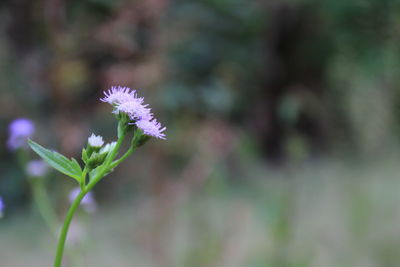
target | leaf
x=58, y=161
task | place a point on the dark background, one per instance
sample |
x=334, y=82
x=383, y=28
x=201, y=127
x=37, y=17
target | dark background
x=282, y=125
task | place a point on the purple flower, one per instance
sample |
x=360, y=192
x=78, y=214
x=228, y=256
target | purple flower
x=2, y=206
x=88, y=202
x=151, y=128
x=19, y=130
x=126, y=101
x=36, y=168
x=135, y=110
x=118, y=95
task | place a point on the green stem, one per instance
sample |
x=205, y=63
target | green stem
x=64, y=230
x=124, y=157
x=107, y=164
x=82, y=193
x=83, y=182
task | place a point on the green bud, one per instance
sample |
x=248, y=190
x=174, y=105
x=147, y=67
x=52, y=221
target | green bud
x=107, y=148
x=96, y=159
x=94, y=144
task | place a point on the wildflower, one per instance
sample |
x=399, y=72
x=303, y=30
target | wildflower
x=88, y=203
x=95, y=141
x=151, y=128
x=107, y=148
x=36, y=168
x=118, y=95
x=19, y=131
x=126, y=101
x=135, y=110
x=2, y=206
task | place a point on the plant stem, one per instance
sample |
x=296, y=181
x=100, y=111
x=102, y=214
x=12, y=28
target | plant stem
x=64, y=230
x=83, y=182
x=84, y=190
x=108, y=162
x=121, y=159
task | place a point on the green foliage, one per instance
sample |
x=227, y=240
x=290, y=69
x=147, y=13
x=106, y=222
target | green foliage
x=59, y=162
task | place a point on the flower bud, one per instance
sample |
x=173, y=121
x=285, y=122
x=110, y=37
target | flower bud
x=107, y=148
x=95, y=160
x=95, y=141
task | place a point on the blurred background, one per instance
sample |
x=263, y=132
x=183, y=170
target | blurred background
x=282, y=123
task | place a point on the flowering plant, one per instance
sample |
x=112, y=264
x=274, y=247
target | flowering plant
x=134, y=119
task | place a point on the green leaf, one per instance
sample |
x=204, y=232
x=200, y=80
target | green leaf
x=58, y=161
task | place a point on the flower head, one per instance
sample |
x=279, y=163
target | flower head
x=19, y=130
x=135, y=109
x=36, y=168
x=151, y=128
x=88, y=202
x=126, y=101
x=118, y=95
x=95, y=141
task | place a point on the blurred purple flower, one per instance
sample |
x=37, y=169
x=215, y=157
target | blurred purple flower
x=19, y=131
x=152, y=128
x=2, y=206
x=36, y=168
x=88, y=202
x=77, y=234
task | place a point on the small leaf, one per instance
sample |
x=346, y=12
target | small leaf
x=58, y=161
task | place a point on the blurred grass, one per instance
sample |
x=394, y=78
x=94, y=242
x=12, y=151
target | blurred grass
x=323, y=214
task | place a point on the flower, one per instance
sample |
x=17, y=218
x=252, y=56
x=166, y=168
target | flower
x=135, y=109
x=2, y=206
x=126, y=101
x=95, y=141
x=118, y=95
x=107, y=148
x=36, y=168
x=88, y=202
x=151, y=128
x=19, y=130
